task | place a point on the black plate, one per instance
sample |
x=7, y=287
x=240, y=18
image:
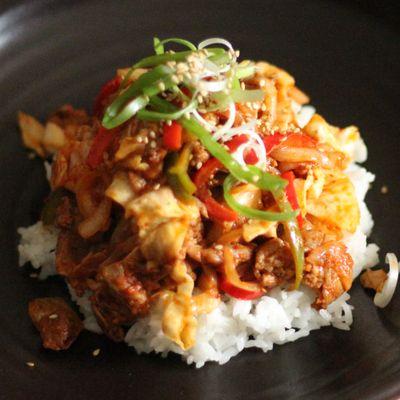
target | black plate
x=54, y=52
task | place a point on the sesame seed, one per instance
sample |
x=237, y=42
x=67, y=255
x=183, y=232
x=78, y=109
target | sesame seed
x=263, y=82
x=30, y=364
x=96, y=352
x=139, y=139
x=219, y=247
x=187, y=115
x=161, y=86
x=200, y=98
x=153, y=144
x=182, y=67
x=145, y=140
x=204, y=93
x=243, y=85
x=384, y=189
x=157, y=186
x=255, y=178
x=168, y=122
x=53, y=316
x=199, y=165
x=152, y=134
x=175, y=79
x=237, y=53
x=264, y=107
x=146, y=98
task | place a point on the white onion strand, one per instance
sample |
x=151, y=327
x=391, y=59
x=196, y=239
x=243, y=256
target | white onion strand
x=382, y=298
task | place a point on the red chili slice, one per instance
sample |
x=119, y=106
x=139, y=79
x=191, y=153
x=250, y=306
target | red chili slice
x=101, y=143
x=216, y=211
x=172, y=138
x=291, y=194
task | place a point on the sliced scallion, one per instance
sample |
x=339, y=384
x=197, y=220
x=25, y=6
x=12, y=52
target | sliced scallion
x=249, y=212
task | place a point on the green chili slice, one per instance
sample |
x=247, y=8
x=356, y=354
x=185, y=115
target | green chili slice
x=178, y=177
x=165, y=116
x=159, y=44
x=252, y=212
x=293, y=236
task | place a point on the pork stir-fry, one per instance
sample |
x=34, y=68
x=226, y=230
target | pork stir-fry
x=195, y=178
x=57, y=323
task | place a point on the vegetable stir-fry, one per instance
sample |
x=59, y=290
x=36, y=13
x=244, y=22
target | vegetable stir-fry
x=199, y=176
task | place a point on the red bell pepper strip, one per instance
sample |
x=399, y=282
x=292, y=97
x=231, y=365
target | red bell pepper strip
x=299, y=140
x=231, y=283
x=215, y=210
x=106, y=91
x=203, y=175
x=101, y=143
x=172, y=138
x=291, y=194
x=218, y=211
x=250, y=157
x=271, y=141
x=290, y=140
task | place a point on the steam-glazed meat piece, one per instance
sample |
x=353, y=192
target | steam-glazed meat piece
x=75, y=258
x=123, y=282
x=312, y=237
x=118, y=299
x=57, y=323
x=65, y=213
x=214, y=255
x=329, y=270
x=274, y=263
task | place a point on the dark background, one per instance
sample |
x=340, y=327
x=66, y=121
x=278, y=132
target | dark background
x=344, y=55
x=386, y=9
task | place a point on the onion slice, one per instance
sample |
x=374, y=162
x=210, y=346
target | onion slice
x=211, y=41
x=228, y=124
x=382, y=298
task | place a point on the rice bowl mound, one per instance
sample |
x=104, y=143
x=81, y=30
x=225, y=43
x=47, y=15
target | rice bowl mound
x=280, y=317
x=204, y=208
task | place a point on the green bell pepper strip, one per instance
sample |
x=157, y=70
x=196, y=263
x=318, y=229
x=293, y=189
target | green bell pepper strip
x=293, y=236
x=252, y=212
x=178, y=177
x=249, y=174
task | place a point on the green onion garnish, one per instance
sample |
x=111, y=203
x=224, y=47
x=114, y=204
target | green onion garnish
x=252, y=212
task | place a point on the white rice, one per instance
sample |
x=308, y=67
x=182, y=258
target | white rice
x=280, y=317
x=37, y=246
